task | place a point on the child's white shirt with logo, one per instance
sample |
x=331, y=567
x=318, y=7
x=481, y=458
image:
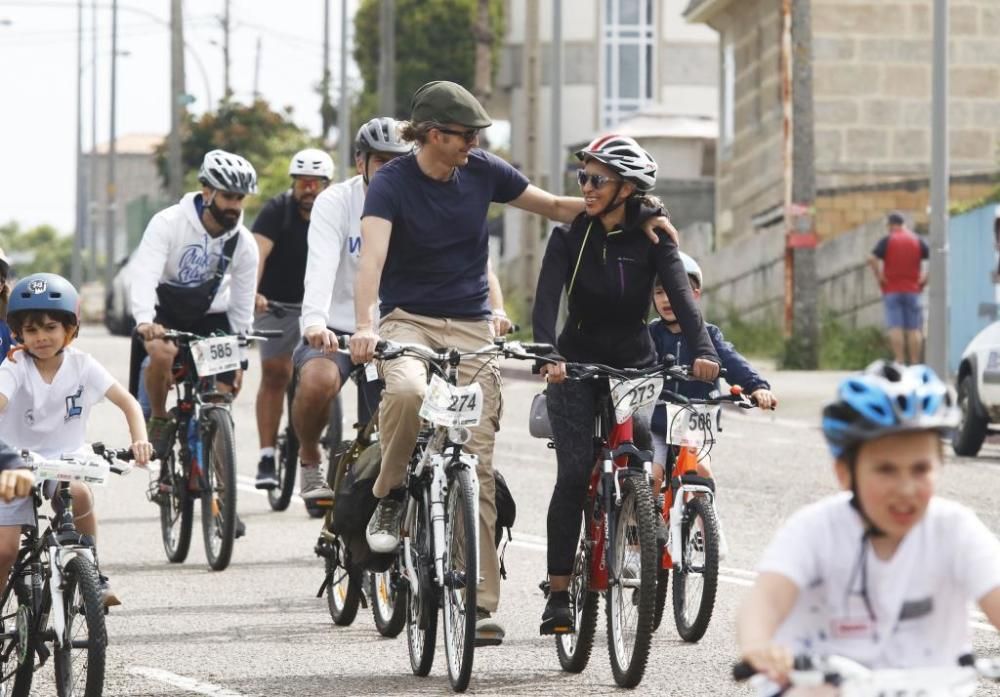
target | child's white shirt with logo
x=50, y=419
x=918, y=601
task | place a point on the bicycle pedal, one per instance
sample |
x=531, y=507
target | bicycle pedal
x=321, y=503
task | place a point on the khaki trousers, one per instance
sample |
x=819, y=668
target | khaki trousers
x=399, y=421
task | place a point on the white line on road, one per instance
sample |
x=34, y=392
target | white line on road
x=185, y=683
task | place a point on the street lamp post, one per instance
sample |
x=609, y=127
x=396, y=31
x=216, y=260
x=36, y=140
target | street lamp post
x=112, y=193
x=937, y=335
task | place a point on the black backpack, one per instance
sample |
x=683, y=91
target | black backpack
x=353, y=508
x=506, y=514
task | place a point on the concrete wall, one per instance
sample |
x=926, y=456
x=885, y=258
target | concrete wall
x=749, y=276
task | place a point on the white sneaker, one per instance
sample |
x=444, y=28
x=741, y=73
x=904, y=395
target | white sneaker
x=383, y=528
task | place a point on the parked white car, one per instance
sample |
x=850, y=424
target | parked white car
x=978, y=387
x=118, y=303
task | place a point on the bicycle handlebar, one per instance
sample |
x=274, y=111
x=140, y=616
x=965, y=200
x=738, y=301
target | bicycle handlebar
x=836, y=670
x=243, y=339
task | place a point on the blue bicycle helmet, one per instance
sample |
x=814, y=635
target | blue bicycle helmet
x=887, y=398
x=44, y=292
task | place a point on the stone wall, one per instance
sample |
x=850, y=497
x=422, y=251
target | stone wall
x=872, y=89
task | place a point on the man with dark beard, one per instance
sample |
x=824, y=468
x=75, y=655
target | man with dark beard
x=281, y=230
x=195, y=270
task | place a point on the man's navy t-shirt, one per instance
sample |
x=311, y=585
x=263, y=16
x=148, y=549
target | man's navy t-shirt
x=439, y=247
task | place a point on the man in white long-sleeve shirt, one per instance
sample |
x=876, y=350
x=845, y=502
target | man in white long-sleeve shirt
x=328, y=301
x=195, y=270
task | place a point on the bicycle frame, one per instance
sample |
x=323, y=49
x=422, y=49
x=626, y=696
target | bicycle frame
x=684, y=482
x=605, y=480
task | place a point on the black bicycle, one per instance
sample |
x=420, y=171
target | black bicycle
x=53, y=592
x=201, y=460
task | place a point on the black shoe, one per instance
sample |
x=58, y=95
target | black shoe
x=558, y=615
x=241, y=528
x=267, y=477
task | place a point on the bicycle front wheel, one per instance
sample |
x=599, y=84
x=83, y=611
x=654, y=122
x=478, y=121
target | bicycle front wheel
x=461, y=575
x=16, y=654
x=176, y=505
x=80, y=652
x=574, y=648
x=697, y=579
x=631, y=595
x=343, y=593
x=286, y=463
x=388, y=602
x=218, y=497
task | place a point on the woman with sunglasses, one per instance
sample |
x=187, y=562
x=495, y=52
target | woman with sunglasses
x=606, y=265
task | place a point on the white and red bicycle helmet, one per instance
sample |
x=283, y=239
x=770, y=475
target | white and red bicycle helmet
x=624, y=156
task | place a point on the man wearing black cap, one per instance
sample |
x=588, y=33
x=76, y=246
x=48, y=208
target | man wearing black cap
x=899, y=262
x=423, y=270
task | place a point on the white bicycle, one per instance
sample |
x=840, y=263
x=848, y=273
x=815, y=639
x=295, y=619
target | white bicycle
x=53, y=594
x=855, y=680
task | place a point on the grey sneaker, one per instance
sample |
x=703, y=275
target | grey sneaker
x=383, y=528
x=314, y=485
x=489, y=632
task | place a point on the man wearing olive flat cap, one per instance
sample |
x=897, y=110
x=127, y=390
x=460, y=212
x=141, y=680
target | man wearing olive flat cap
x=423, y=278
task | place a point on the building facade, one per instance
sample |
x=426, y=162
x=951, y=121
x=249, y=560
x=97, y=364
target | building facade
x=871, y=73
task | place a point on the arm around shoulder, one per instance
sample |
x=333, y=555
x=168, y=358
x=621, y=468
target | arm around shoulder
x=562, y=209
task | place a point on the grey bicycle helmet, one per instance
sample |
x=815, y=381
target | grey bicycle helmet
x=381, y=134
x=225, y=171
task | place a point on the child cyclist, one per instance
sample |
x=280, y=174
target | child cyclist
x=667, y=337
x=883, y=572
x=47, y=390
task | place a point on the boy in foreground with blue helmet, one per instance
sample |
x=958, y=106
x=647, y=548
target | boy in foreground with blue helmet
x=47, y=390
x=883, y=572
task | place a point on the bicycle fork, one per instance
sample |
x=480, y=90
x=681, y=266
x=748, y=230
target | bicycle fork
x=58, y=558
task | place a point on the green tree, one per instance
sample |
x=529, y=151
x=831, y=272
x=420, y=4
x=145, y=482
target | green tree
x=434, y=41
x=265, y=137
x=40, y=249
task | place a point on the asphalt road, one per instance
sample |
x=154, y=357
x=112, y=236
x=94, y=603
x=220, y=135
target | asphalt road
x=258, y=628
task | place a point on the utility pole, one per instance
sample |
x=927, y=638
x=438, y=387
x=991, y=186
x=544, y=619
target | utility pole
x=326, y=107
x=801, y=288
x=556, y=155
x=226, y=91
x=344, y=111
x=109, y=241
x=387, y=59
x=256, y=73
x=92, y=184
x=482, y=30
x=76, y=274
x=937, y=336
x=530, y=225
x=178, y=96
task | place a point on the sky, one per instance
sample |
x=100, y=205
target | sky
x=38, y=78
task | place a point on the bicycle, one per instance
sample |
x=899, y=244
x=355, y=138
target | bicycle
x=287, y=444
x=617, y=554
x=345, y=590
x=855, y=680
x=201, y=460
x=439, y=554
x=53, y=591
x=688, y=511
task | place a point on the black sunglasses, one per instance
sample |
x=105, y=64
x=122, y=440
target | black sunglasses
x=469, y=135
x=596, y=180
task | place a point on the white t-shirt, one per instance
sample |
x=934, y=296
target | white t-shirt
x=334, y=250
x=50, y=419
x=920, y=597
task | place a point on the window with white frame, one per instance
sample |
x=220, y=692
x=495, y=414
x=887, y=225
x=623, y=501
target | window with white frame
x=629, y=50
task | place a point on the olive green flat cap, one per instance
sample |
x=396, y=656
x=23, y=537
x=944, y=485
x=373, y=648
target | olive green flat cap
x=448, y=102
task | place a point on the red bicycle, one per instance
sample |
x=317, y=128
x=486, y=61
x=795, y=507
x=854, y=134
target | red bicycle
x=618, y=554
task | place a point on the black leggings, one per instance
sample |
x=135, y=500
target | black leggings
x=572, y=409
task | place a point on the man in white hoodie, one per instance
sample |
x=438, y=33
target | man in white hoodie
x=195, y=270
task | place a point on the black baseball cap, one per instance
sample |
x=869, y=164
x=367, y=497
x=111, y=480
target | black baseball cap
x=896, y=218
x=448, y=102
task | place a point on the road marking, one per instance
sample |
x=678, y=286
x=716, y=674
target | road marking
x=249, y=484
x=184, y=683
